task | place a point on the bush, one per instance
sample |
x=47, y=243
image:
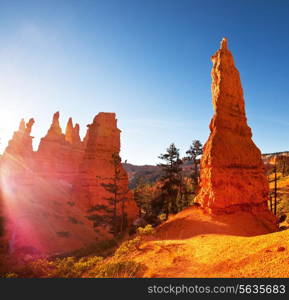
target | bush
x=121, y=269
x=102, y=248
x=65, y=268
x=68, y=267
x=146, y=231
x=10, y=275
x=134, y=244
x=128, y=246
x=85, y=264
x=162, y=217
x=35, y=269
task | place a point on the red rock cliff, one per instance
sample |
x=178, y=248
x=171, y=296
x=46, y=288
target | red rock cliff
x=59, y=154
x=96, y=169
x=18, y=156
x=232, y=171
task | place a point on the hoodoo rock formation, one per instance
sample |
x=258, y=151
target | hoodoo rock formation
x=53, y=151
x=59, y=154
x=18, y=156
x=97, y=168
x=232, y=171
x=37, y=188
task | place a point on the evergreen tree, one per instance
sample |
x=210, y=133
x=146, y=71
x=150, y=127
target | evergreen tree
x=171, y=179
x=118, y=196
x=274, y=194
x=196, y=149
x=143, y=195
x=282, y=165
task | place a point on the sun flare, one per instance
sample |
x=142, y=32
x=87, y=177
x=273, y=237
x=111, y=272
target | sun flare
x=9, y=122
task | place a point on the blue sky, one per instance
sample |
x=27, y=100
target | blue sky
x=148, y=61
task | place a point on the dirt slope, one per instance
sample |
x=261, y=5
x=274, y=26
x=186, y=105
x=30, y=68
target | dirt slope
x=193, y=244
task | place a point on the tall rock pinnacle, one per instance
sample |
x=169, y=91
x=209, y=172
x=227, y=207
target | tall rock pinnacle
x=21, y=142
x=69, y=131
x=55, y=129
x=97, y=168
x=29, y=125
x=232, y=171
x=76, y=137
x=72, y=133
x=17, y=157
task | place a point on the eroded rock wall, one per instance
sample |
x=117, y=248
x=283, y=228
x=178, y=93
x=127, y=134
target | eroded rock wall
x=36, y=190
x=97, y=168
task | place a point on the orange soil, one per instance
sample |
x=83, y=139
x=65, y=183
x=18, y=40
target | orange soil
x=194, y=244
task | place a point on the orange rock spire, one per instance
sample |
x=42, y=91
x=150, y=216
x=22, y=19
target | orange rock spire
x=232, y=171
x=29, y=126
x=22, y=125
x=103, y=140
x=76, y=137
x=69, y=131
x=18, y=156
x=21, y=142
x=72, y=133
x=55, y=128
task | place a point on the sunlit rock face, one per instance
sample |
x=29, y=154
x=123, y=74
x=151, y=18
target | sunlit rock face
x=37, y=188
x=59, y=154
x=16, y=166
x=18, y=156
x=97, y=168
x=232, y=171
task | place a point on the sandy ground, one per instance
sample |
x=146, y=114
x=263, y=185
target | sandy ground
x=194, y=244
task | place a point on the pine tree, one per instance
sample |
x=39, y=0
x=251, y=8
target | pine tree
x=274, y=193
x=143, y=196
x=196, y=149
x=171, y=179
x=118, y=196
x=282, y=165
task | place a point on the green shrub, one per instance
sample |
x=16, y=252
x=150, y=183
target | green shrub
x=134, y=244
x=120, y=269
x=102, y=248
x=146, y=231
x=68, y=267
x=85, y=264
x=10, y=275
x=65, y=268
x=128, y=246
x=162, y=217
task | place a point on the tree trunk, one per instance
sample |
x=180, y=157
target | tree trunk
x=196, y=171
x=122, y=215
x=275, y=191
x=271, y=203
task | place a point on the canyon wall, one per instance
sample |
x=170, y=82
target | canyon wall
x=18, y=156
x=59, y=154
x=46, y=194
x=101, y=170
x=232, y=171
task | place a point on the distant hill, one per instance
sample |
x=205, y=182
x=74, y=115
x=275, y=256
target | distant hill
x=149, y=173
x=270, y=159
